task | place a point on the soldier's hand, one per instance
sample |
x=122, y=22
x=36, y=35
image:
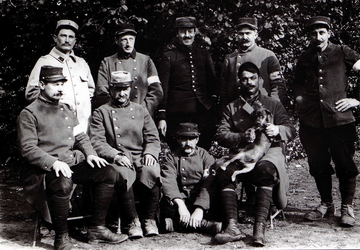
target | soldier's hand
x=272, y=130
x=62, y=167
x=196, y=218
x=162, y=127
x=99, y=162
x=149, y=160
x=346, y=103
x=122, y=160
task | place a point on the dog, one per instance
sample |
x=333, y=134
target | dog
x=249, y=155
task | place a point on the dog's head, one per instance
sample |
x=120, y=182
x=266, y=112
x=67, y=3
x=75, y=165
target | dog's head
x=262, y=115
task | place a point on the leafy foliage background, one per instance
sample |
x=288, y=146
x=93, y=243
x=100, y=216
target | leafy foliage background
x=27, y=25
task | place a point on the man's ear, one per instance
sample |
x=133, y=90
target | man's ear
x=41, y=85
x=54, y=37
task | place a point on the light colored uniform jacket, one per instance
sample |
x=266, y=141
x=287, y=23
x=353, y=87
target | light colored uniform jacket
x=78, y=89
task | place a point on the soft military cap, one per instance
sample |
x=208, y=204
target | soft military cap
x=51, y=74
x=186, y=22
x=67, y=24
x=120, y=79
x=188, y=129
x=126, y=28
x=247, y=21
x=319, y=20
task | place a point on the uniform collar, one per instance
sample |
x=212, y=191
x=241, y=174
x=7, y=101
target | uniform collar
x=326, y=54
x=61, y=57
x=248, y=49
x=123, y=55
x=46, y=100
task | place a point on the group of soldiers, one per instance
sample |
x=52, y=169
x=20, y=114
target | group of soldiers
x=108, y=134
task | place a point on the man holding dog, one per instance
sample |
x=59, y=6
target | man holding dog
x=268, y=175
x=327, y=128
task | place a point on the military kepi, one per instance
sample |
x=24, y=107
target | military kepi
x=186, y=22
x=188, y=129
x=120, y=79
x=67, y=24
x=319, y=20
x=126, y=28
x=52, y=74
x=247, y=21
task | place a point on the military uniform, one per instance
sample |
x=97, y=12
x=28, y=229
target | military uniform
x=146, y=89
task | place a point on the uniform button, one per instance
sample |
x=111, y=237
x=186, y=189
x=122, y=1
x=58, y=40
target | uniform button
x=119, y=144
x=113, y=111
x=192, y=76
x=183, y=159
x=191, y=62
x=78, y=103
x=135, y=69
x=69, y=138
x=76, y=94
x=135, y=87
x=61, y=109
x=321, y=85
x=134, y=60
x=320, y=70
x=193, y=81
x=239, y=55
x=182, y=169
x=239, y=87
x=321, y=100
x=321, y=77
x=192, y=66
x=120, y=62
x=191, y=57
x=190, y=53
x=193, y=86
x=192, y=71
x=135, y=78
x=136, y=96
x=66, y=118
x=116, y=127
x=118, y=135
x=185, y=187
x=194, y=90
x=114, y=119
x=74, y=85
x=184, y=178
x=133, y=117
x=131, y=109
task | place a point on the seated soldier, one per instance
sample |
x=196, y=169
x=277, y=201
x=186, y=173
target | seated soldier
x=124, y=133
x=59, y=154
x=268, y=175
x=183, y=172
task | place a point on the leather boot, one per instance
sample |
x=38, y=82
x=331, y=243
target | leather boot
x=135, y=230
x=62, y=242
x=259, y=234
x=211, y=227
x=347, y=218
x=231, y=233
x=98, y=234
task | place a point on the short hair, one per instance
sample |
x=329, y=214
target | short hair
x=248, y=66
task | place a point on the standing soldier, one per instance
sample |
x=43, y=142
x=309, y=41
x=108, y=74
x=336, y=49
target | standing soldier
x=327, y=128
x=146, y=89
x=189, y=82
x=79, y=87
